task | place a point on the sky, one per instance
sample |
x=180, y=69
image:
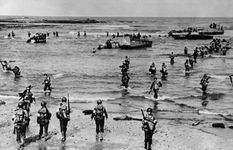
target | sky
x=118, y=8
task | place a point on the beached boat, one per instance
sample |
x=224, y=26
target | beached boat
x=37, y=38
x=134, y=43
x=213, y=29
x=191, y=36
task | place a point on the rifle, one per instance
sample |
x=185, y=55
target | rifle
x=68, y=101
x=144, y=118
x=143, y=114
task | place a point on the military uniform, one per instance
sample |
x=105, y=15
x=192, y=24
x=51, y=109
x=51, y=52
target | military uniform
x=20, y=120
x=99, y=115
x=47, y=83
x=155, y=87
x=43, y=118
x=204, y=82
x=149, y=124
x=63, y=114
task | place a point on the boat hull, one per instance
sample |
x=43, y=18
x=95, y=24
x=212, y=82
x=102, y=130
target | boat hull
x=138, y=46
x=192, y=37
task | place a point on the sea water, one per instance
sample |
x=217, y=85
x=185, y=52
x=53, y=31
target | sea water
x=88, y=76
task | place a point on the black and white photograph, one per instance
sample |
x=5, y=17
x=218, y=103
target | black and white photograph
x=116, y=75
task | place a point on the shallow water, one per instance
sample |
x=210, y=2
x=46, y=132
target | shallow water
x=88, y=77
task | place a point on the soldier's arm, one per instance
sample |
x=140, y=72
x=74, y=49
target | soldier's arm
x=93, y=114
x=152, y=85
x=26, y=114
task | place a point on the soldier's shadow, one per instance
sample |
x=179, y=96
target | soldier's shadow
x=30, y=139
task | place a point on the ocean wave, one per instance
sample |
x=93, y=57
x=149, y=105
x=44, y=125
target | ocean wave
x=210, y=112
x=220, y=77
x=59, y=75
x=8, y=97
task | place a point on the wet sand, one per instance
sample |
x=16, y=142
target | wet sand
x=171, y=134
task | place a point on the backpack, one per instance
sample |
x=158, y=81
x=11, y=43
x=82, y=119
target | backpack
x=44, y=116
x=43, y=113
x=99, y=111
x=63, y=111
x=19, y=117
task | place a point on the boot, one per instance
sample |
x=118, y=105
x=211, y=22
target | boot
x=97, y=136
x=145, y=145
x=101, y=136
x=63, y=137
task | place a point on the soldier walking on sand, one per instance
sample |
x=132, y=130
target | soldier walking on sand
x=63, y=114
x=43, y=118
x=148, y=126
x=20, y=120
x=99, y=115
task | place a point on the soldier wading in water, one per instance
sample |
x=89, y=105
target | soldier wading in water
x=99, y=115
x=148, y=126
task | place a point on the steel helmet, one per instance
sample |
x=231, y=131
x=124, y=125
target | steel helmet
x=43, y=103
x=63, y=99
x=99, y=101
x=149, y=110
x=20, y=104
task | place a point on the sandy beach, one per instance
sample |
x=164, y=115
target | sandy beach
x=171, y=134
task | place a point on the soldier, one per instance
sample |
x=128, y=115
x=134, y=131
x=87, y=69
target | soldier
x=204, y=83
x=16, y=71
x=99, y=115
x=127, y=61
x=164, y=70
x=149, y=122
x=47, y=83
x=125, y=80
x=172, y=57
x=20, y=120
x=152, y=69
x=43, y=118
x=155, y=87
x=63, y=114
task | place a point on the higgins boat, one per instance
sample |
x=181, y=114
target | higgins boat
x=213, y=29
x=191, y=36
x=37, y=38
x=132, y=42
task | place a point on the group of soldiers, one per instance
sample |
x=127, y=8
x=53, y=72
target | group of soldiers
x=124, y=70
x=7, y=68
x=163, y=70
x=12, y=34
x=21, y=117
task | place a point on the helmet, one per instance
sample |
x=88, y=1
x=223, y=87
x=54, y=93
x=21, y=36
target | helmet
x=99, y=101
x=205, y=75
x=155, y=78
x=20, y=104
x=149, y=110
x=63, y=99
x=43, y=103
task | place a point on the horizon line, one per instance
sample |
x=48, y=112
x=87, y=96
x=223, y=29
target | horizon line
x=112, y=16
